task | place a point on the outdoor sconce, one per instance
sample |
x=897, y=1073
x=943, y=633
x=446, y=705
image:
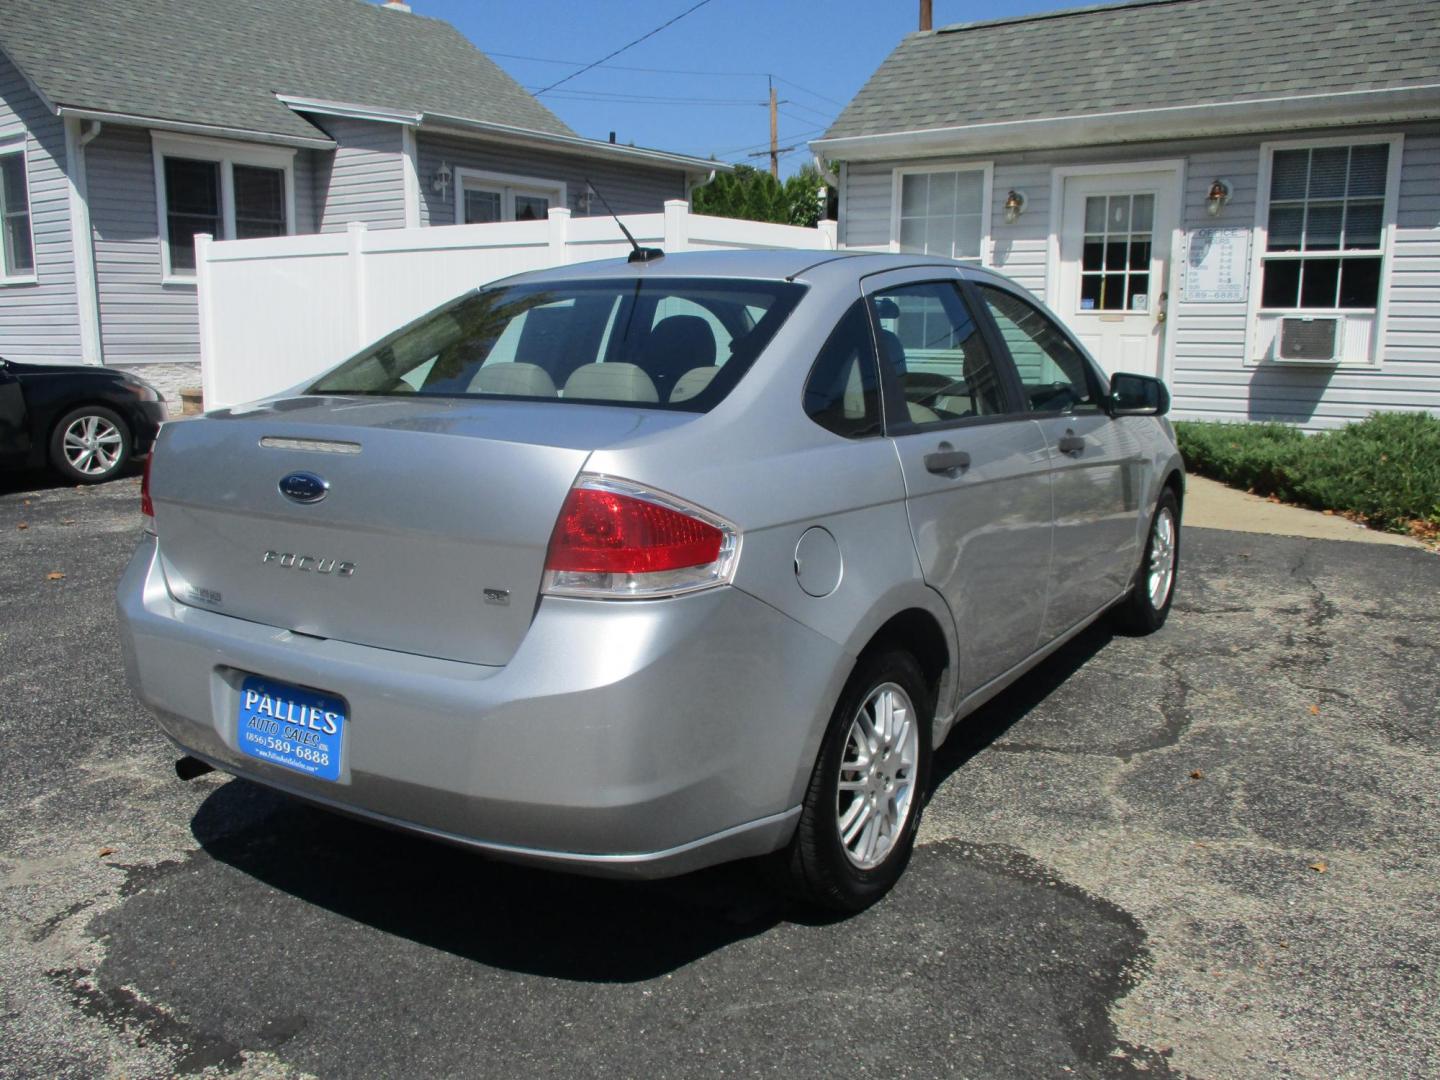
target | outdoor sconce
x=1218, y=197
x=1014, y=206
x=441, y=181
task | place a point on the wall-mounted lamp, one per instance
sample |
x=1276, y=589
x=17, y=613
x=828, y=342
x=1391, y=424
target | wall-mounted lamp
x=441, y=181
x=1217, y=198
x=1014, y=206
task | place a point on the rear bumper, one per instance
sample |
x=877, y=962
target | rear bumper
x=627, y=739
x=145, y=421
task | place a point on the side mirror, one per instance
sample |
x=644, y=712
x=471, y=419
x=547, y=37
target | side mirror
x=1138, y=395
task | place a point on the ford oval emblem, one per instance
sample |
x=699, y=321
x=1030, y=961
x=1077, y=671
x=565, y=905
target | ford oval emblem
x=303, y=487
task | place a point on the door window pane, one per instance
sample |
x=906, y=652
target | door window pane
x=942, y=213
x=1053, y=372
x=192, y=201
x=842, y=394
x=17, y=252
x=932, y=346
x=259, y=202
x=1116, y=247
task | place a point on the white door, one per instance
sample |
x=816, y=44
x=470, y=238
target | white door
x=1115, y=236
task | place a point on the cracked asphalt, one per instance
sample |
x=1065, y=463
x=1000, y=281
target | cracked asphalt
x=1209, y=853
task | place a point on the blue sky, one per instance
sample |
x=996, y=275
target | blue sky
x=823, y=50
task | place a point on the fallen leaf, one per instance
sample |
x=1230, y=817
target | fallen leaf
x=106, y=851
x=1314, y=710
x=23, y=525
x=67, y=521
x=54, y=575
x=1328, y=513
x=1282, y=944
x=1196, y=774
x=1319, y=867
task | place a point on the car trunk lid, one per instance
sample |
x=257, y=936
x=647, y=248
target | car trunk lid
x=430, y=535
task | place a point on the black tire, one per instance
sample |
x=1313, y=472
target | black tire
x=1138, y=613
x=93, y=469
x=816, y=868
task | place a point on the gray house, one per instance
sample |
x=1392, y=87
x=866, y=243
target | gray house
x=128, y=128
x=1242, y=196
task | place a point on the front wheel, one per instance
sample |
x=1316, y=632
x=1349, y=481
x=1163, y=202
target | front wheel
x=90, y=444
x=1145, y=609
x=862, y=808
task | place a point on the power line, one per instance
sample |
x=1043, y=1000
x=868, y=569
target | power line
x=757, y=146
x=623, y=48
x=626, y=67
x=670, y=71
x=649, y=99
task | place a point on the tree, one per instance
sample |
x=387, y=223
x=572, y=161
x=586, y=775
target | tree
x=755, y=195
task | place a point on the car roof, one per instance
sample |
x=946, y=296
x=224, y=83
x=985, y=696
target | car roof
x=777, y=265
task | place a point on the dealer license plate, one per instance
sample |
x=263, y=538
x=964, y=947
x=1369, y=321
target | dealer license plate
x=291, y=726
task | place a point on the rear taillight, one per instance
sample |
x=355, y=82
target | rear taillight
x=147, y=508
x=617, y=540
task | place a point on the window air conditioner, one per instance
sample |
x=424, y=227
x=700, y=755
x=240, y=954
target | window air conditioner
x=1309, y=339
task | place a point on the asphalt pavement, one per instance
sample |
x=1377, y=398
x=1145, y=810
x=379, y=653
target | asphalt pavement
x=1214, y=852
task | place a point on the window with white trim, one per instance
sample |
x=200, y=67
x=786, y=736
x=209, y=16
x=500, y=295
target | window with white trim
x=489, y=197
x=228, y=192
x=1325, y=228
x=17, y=243
x=942, y=212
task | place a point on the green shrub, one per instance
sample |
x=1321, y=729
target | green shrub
x=1384, y=469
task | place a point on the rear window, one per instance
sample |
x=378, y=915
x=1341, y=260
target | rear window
x=656, y=343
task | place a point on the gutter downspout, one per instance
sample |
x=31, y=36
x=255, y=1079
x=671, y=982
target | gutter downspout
x=691, y=187
x=82, y=244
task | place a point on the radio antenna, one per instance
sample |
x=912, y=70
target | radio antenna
x=640, y=254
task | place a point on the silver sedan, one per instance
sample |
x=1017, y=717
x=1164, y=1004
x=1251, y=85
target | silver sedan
x=634, y=567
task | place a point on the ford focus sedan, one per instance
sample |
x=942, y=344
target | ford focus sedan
x=635, y=567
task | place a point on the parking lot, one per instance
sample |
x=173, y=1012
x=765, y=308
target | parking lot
x=1211, y=853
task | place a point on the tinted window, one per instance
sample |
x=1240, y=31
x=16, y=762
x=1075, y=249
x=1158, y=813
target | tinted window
x=932, y=344
x=638, y=343
x=1055, y=375
x=842, y=393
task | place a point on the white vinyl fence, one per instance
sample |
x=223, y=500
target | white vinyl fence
x=276, y=312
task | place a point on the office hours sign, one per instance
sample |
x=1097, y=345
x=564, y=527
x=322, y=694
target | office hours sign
x=1217, y=266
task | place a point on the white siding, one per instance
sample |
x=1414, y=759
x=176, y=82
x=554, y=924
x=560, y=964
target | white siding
x=40, y=322
x=1211, y=375
x=867, y=206
x=363, y=178
x=630, y=189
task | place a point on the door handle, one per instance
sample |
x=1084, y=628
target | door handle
x=1070, y=443
x=947, y=461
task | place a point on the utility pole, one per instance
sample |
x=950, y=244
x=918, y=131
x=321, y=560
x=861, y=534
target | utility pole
x=774, y=131
x=925, y=20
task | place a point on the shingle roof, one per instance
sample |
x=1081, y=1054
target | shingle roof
x=1145, y=54
x=221, y=62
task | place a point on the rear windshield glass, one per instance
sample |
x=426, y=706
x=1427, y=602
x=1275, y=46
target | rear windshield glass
x=657, y=343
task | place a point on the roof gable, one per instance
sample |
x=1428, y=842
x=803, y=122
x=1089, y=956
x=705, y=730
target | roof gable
x=221, y=62
x=1147, y=54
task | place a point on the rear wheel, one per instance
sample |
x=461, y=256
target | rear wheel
x=90, y=444
x=862, y=808
x=1148, y=604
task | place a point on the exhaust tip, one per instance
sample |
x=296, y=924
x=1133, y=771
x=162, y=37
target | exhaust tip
x=188, y=768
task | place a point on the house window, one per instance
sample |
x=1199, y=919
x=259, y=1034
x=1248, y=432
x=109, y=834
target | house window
x=490, y=197
x=1325, y=229
x=942, y=212
x=17, y=246
x=228, y=191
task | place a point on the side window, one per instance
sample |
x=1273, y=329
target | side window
x=842, y=394
x=931, y=343
x=1053, y=372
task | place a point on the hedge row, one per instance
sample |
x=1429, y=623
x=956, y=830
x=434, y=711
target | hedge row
x=1384, y=469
